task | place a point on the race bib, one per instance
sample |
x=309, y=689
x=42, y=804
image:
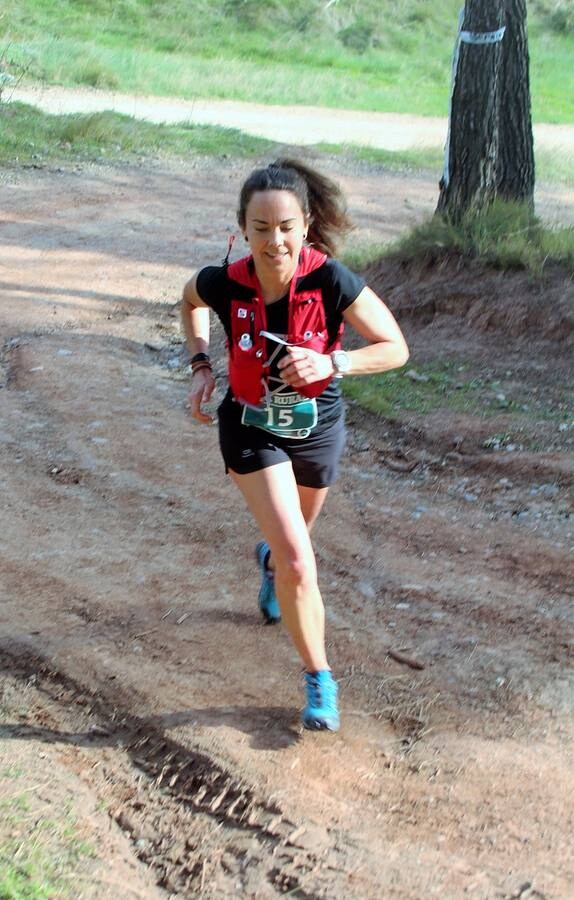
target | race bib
x=287, y=415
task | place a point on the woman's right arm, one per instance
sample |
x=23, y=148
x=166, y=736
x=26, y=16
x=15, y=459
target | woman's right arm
x=195, y=320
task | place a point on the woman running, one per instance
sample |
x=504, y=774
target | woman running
x=281, y=423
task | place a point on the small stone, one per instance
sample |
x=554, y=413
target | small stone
x=312, y=837
x=549, y=490
x=230, y=863
x=367, y=590
x=416, y=376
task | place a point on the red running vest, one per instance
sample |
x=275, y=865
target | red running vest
x=307, y=327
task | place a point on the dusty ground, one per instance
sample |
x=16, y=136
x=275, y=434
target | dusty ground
x=140, y=691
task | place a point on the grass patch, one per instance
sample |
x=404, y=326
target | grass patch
x=371, y=54
x=505, y=235
x=447, y=386
x=555, y=166
x=417, y=159
x=28, y=135
x=39, y=859
x=361, y=255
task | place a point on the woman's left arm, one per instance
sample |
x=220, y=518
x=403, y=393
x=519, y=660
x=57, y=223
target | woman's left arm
x=386, y=347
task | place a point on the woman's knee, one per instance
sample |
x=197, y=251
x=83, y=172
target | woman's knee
x=296, y=567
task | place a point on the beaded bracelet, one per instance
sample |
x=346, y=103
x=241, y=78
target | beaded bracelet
x=201, y=365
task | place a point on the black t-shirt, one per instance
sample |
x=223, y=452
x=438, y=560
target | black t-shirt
x=340, y=288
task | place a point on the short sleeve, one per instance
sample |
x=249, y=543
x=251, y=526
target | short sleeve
x=345, y=285
x=212, y=286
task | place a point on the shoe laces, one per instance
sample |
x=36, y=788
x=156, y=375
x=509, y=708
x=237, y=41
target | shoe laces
x=320, y=689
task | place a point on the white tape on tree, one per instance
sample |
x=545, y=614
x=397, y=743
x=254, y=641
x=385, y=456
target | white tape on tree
x=482, y=37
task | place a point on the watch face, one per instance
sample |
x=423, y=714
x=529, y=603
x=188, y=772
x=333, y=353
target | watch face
x=341, y=361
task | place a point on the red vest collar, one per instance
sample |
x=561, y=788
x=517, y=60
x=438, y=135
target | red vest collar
x=243, y=270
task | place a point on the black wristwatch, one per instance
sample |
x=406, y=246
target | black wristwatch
x=199, y=357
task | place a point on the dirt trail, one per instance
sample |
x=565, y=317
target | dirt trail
x=133, y=658
x=294, y=124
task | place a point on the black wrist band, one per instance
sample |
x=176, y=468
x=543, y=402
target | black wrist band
x=200, y=357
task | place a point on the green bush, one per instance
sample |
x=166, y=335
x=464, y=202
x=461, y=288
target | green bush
x=558, y=14
x=505, y=235
x=28, y=134
x=98, y=128
x=358, y=36
x=94, y=74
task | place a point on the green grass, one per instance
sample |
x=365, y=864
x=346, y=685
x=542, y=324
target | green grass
x=40, y=858
x=371, y=54
x=504, y=236
x=29, y=136
x=554, y=166
x=392, y=393
x=417, y=159
x=449, y=386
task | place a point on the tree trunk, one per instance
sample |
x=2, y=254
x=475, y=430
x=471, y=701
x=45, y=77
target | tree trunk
x=515, y=165
x=470, y=179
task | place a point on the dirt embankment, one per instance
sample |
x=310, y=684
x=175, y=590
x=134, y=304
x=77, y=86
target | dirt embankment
x=135, y=669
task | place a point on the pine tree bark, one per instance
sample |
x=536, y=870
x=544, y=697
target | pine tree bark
x=474, y=140
x=515, y=165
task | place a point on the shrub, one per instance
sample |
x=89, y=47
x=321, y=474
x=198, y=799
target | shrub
x=558, y=14
x=505, y=235
x=358, y=36
x=94, y=74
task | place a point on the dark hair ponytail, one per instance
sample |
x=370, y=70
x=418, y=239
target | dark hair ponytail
x=321, y=200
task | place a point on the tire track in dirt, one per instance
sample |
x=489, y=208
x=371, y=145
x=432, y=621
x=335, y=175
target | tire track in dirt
x=181, y=799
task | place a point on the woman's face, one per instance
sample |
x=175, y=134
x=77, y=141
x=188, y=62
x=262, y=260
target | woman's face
x=275, y=227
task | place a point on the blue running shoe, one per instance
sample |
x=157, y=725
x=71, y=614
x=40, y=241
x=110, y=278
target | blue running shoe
x=321, y=711
x=268, y=603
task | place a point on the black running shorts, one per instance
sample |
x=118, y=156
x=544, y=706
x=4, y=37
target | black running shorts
x=246, y=448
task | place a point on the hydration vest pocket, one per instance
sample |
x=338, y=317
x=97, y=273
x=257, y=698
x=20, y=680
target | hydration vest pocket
x=245, y=354
x=307, y=317
x=245, y=376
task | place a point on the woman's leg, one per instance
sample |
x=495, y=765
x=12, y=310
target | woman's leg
x=311, y=500
x=284, y=513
